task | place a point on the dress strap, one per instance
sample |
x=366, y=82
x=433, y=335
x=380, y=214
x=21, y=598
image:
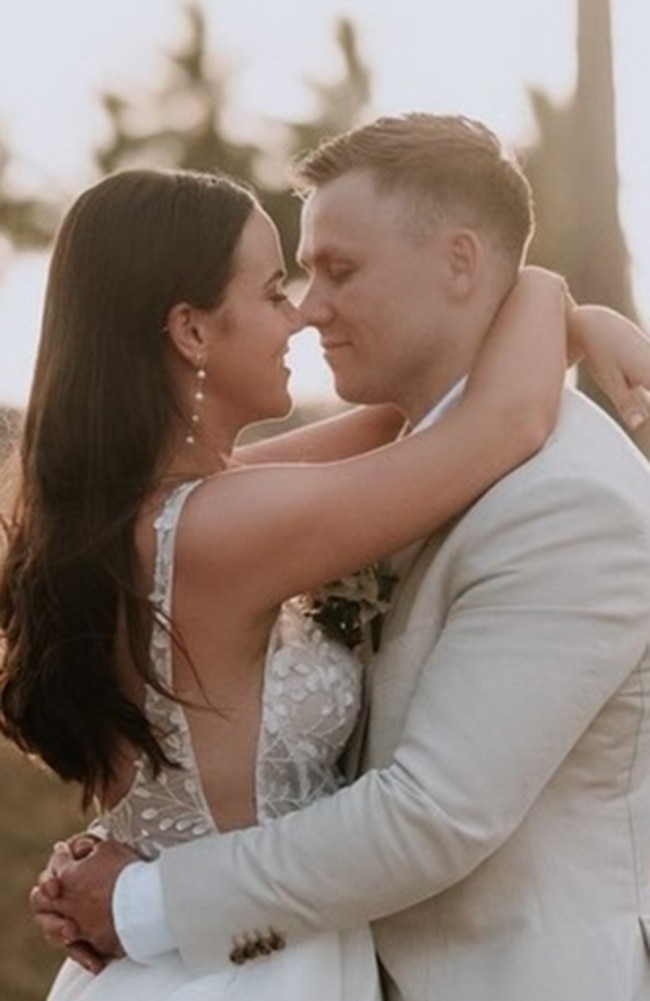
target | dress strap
x=165, y=526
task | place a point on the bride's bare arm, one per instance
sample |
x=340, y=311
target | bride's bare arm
x=273, y=531
x=615, y=350
x=338, y=437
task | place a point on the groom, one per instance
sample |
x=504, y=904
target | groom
x=499, y=837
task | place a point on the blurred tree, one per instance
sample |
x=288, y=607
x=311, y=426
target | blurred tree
x=27, y=222
x=10, y=427
x=574, y=174
x=339, y=105
x=181, y=122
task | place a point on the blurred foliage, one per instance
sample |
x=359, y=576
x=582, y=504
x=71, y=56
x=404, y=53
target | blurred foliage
x=10, y=425
x=340, y=103
x=26, y=221
x=573, y=171
x=180, y=123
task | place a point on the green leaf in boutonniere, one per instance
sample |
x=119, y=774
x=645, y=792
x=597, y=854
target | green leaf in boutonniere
x=352, y=609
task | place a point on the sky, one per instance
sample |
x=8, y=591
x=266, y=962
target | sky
x=468, y=56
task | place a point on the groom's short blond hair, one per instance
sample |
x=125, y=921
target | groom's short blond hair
x=448, y=166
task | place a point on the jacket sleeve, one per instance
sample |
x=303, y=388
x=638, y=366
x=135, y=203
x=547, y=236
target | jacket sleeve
x=549, y=616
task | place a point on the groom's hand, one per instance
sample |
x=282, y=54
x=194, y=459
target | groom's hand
x=72, y=901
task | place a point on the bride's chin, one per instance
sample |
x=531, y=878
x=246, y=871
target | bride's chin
x=277, y=412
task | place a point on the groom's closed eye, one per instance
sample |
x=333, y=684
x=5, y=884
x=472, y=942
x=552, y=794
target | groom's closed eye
x=339, y=272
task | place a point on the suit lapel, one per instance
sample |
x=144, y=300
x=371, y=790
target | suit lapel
x=410, y=566
x=402, y=564
x=393, y=673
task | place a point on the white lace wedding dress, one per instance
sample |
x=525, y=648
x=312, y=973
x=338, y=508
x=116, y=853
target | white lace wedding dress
x=310, y=702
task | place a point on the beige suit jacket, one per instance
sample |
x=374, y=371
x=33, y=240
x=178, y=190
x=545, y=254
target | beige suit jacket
x=500, y=836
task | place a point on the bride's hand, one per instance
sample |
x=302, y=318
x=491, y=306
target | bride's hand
x=617, y=354
x=60, y=931
x=71, y=901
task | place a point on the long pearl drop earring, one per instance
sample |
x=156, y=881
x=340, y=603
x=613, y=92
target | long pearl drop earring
x=198, y=396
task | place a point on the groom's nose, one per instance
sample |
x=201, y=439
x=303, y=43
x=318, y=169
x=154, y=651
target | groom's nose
x=314, y=307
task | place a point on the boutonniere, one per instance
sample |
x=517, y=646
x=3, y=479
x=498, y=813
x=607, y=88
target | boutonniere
x=352, y=609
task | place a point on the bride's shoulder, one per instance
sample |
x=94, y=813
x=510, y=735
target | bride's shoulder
x=220, y=530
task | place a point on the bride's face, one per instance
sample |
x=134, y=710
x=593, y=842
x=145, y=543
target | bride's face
x=250, y=330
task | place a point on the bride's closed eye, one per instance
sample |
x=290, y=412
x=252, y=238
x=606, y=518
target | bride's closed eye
x=278, y=295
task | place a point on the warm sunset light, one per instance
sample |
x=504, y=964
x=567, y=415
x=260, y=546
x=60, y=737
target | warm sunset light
x=325, y=517
x=469, y=56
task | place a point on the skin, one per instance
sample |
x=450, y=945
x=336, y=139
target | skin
x=367, y=279
x=242, y=345
x=363, y=266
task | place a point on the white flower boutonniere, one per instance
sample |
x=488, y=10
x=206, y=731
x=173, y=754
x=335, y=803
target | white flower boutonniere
x=352, y=609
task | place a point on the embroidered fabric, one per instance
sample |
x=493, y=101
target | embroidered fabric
x=311, y=698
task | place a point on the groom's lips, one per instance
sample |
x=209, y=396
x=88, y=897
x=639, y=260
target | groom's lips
x=329, y=346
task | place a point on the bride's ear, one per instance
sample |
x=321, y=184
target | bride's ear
x=184, y=332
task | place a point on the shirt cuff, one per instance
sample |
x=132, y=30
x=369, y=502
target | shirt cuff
x=139, y=913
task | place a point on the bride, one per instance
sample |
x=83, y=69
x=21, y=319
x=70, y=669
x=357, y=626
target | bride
x=153, y=650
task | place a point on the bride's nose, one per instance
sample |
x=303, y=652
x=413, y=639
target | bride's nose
x=296, y=319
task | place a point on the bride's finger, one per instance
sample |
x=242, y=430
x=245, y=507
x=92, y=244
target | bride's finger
x=55, y=928
x=49, y=884
x=58, y=931
x=623, y=389
x=86, y=956
x=82, y=845
x=634, y=406
x=41, y=897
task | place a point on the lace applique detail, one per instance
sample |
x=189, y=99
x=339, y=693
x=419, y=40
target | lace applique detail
x=311, y=698
x=160, y=811
x=312, y=694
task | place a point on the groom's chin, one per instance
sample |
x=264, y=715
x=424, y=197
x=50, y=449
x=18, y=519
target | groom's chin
x=352, y=392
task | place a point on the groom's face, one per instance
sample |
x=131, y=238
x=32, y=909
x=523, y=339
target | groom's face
x=377, y=293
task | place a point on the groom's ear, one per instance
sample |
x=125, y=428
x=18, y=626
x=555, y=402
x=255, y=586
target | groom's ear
x=463, y=254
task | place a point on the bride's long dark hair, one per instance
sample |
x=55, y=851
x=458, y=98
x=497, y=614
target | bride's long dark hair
x=100, y=413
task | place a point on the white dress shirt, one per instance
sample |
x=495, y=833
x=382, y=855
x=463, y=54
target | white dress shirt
x=442, y=406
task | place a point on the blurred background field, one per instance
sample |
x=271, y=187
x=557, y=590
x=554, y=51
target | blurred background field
x=86, y=89
x=36, y=811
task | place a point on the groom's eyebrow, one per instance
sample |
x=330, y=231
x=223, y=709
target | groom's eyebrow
x=322, y=256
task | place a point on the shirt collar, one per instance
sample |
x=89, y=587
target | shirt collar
x=442, y=406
